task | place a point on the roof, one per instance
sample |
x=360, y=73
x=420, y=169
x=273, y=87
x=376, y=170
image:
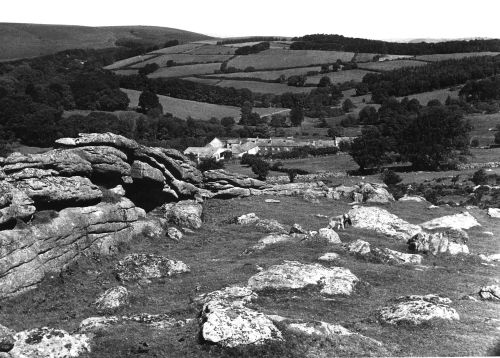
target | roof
x=242, y=148
x=202, y=151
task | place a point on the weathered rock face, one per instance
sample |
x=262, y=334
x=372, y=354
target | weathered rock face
x=329, y=235
x=494, y=212
x=227, y=185
x=418, y=309
x=147, y=266
x=452, y=241
x=14, y=204
x=359, y=247
x=295, y=275
x=48, y=342
x=27, y=253
x=376, y=193
x=395, y=257
x=184, y=214
x=415, y=198
x=462, y=221
x=383, y=222
x=6, y=339
x=174, y=234
x=233, y=294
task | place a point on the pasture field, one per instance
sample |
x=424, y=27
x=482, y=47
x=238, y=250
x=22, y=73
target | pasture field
x=183, y=108
x=441, y=95
x=178, y=49
x=483, y=129
x=214, y=254
x=127, y=72
x=264, y=87
x=204, y=80
x=339, y=76
x=454, y=56
x=390, y=65
x=213, y=50
x=279, y=58
x=129, y=61
x=364, y=57
x=185, y=70
x=269, y=75
x=183, y=58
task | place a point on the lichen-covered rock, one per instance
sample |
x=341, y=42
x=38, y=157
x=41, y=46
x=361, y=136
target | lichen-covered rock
x=55, y=189
x=383, y=222
x=222, y=180
x=235, y=295
x=247, y=219
x=330, y=235
x=418, y=309
x=96, y=324
x=494, y=213
x=14, y=204
x=415, y=198
x=49, y=343
x=376, y=193
x=462, y=221
x=99, y=139
x=234, y=325
x=184, y=214
x=6, y=339
x=144, y=171
x=148, y=266
x=112, y=299
x=329, y=256
x=452, y=241
x=358, y=247
x=28, y=253
x=174, y=234
x=395, y=257
x=270, y=240
x=490, y=293
x=271, y=225
x=104, y=160
x=294, y=275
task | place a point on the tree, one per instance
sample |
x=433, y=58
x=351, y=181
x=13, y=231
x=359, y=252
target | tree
x=325, y=81
x=370, y=149
x=149, y=68
x=297, y=115
x=277, y=121
x=334, y=132
x=228, y=122
x=497, y=137
x=260, y=168
x=246, y=111
x=347, y=106
x=297, y=81
x=368, y=115
x=148, y=100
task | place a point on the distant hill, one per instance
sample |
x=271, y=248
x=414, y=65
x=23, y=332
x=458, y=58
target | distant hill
x=31, y=40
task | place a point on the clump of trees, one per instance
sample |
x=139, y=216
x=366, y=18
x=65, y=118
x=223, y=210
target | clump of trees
x=247, y=50
x=430, y=138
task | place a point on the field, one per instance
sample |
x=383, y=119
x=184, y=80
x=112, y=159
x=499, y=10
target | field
x=483, y=129
x=213, y=50
x=126, y=72
x=263, y=87
x=454, y=56
x=365, y=57
x=31, y=40
x=183, y=58
x=339, y=77
x=441, y=95
x=204, y=80
x=178, y=49
x=186, y=70
x=269, y=75
x=390, y=65
x=278, y=58
x=214, y=256
x=182, y=108
x=129, y=61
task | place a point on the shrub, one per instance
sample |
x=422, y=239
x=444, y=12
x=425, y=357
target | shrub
x=480, y=177
x=260, y=168
x=210, y=164
x=474, y=143
x=390, y=177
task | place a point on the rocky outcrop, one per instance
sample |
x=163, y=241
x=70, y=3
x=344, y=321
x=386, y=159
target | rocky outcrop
x=452, y=241
x=415, y=198
x=49, y=342
x=14, y=204
x=223, y=184
x=383, y=222
x=462, y=221
x=293, y=275
x=6, y=339
x=329, y=257
x=494, y=213
x=375, y=193
x=418, y=309
x=137, y=267
x=329, y=235
x=358, y=247
x=53, y=241
x=395, y=257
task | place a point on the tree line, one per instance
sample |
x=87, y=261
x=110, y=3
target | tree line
x=351, y=44
x=443, y=74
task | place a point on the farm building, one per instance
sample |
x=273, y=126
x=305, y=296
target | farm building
x=207, y=152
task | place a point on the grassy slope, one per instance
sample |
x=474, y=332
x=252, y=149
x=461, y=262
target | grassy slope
x=31, y=40
x=198, y=110
x=213, y=253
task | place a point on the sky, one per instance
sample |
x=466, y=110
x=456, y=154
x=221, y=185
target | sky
x=375, y=19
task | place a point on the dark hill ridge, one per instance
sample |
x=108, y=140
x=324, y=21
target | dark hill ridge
x=19, y=40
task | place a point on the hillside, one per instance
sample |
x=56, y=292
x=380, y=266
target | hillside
x=31, y=40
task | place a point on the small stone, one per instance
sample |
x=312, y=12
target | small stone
x=272, y=201
x=271, y=225
x=297, y=229
x=359, y=247
x=490, y=292
x=247, y=219
x=329, y=256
